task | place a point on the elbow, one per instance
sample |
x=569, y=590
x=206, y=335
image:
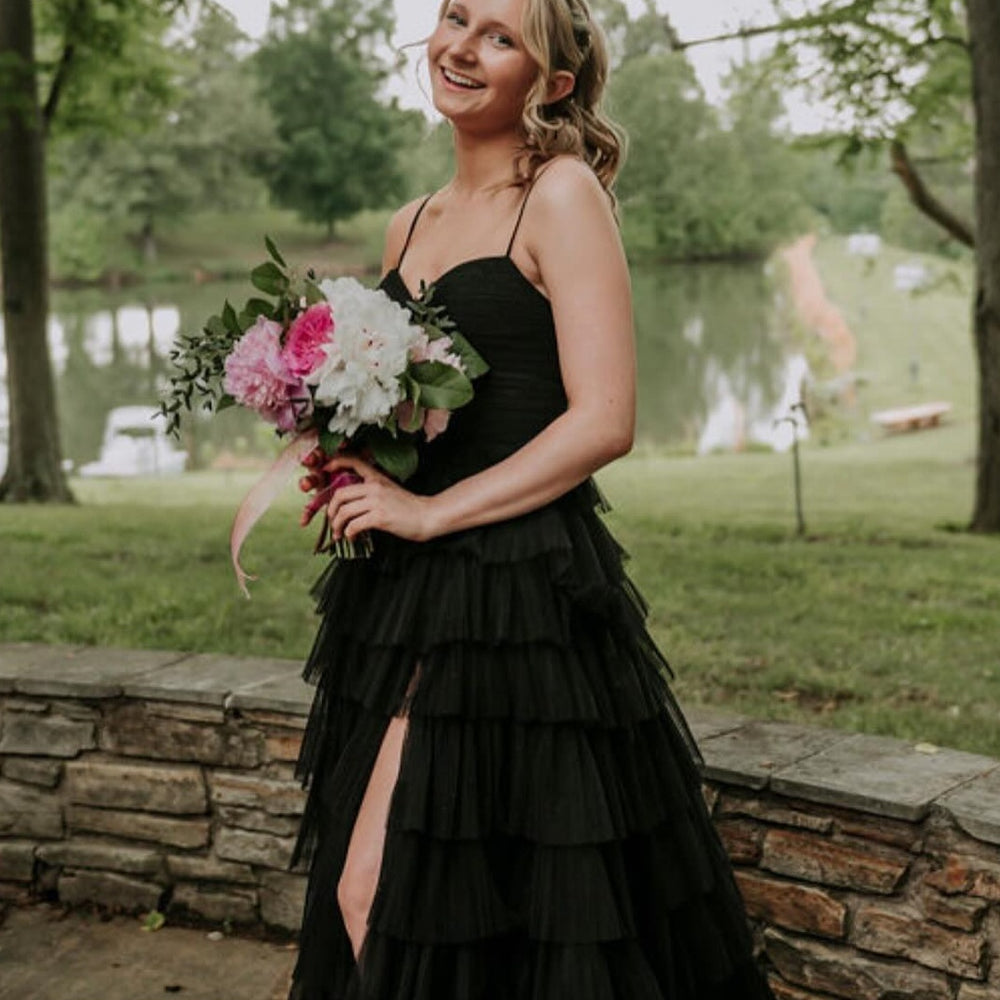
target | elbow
x=623, y=444
x=616, y=442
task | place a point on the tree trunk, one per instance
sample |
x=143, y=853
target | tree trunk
x=984, y=30
x=34, y=464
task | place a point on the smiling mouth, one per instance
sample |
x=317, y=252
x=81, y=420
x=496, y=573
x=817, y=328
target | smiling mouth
x=459, y=80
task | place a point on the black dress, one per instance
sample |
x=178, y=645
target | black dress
x=547, y=837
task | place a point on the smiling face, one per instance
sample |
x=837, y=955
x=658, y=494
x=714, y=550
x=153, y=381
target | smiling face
x=481, y=72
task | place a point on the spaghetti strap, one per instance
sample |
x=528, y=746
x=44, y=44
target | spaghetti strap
x=413, y=226
x=520, y=216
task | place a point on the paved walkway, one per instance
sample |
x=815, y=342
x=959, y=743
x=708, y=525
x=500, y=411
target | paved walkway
x=47, y=953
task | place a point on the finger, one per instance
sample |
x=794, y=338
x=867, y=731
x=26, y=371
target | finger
x=340, y=495
x=359, y=525
x=351, y=462
x=346, y=515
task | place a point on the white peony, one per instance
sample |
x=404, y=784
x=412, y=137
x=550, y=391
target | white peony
x=368, y=353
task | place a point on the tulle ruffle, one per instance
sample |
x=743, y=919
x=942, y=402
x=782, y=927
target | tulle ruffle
x=546, y=836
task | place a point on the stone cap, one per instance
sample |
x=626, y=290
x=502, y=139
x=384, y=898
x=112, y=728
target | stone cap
x=192, y=678
x=875, y=774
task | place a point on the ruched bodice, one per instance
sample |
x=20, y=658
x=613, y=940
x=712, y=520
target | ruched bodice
x=510, y=323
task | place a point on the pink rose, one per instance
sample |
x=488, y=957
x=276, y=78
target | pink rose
x=258, y=378
x=309, y=331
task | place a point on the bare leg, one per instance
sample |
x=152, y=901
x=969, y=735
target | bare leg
x=359, y=879
x=356, y=889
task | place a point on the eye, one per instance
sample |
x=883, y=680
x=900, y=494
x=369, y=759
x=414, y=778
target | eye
x=502, y=40
x=454, y=17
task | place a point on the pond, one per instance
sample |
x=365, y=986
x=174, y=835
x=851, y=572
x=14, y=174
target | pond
x=715, y=367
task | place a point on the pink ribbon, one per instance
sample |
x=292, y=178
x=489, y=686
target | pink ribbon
x=262, y=494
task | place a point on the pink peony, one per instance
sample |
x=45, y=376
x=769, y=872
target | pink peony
x=309, y=332
x=258, y=378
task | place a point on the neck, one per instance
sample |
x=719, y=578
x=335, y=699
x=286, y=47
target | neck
x=483, y=162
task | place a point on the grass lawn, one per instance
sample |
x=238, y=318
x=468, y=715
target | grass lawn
x=885, y=617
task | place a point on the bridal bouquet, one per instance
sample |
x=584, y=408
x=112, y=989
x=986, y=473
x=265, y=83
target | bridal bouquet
x=335, y=364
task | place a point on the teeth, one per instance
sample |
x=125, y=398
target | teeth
x=462, y=81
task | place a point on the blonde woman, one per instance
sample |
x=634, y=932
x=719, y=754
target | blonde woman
x=504, y=801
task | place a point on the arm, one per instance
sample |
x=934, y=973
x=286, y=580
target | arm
x=572, y=236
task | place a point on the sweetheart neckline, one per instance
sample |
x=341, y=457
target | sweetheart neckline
x=464, y=263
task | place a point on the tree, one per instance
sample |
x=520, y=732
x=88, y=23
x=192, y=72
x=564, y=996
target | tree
x=697, y=184
x=321, y=71
x=34, y=463
x=902, y=70
x=201, y=148
x=89, y=59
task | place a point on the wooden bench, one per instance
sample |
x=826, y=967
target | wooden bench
x=911, y=418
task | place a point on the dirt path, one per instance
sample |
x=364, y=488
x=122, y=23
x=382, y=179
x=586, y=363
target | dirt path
x=815, y=310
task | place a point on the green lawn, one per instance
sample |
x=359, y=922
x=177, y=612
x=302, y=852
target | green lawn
x=885, y=617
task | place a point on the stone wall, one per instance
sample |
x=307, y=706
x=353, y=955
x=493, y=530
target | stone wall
x=141, y=780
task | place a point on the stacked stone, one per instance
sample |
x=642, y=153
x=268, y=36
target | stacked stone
x=144, y=781
x=870, y=866
x=141, y=780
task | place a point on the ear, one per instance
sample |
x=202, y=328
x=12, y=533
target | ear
x=561, y=85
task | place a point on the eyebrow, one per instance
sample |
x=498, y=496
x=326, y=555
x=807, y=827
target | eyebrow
x=462, y=9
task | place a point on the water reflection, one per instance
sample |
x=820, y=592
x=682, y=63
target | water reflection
x=713, y=370
x=714, y=373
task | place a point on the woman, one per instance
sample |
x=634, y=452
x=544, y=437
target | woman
x=504, y=802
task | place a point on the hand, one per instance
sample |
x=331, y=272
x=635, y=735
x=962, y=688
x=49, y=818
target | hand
x=375, y=502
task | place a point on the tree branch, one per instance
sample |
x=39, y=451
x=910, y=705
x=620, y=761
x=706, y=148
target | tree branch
x=58, y=80
x=810, y=22
x=924, y=200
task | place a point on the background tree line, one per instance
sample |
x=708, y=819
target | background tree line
x=233, y=128
x=138, y=120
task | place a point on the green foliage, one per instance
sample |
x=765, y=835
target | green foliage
x=885, y=65
x=692, y=187
x=849, y=196
x=163, y=160
x=321, y=70
x=902, y=225
x=428, y=161
x=99, y=57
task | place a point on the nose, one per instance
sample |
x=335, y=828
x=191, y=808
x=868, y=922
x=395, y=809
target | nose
x=462, y=47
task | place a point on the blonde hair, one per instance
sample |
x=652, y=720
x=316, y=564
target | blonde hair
x=562, y=35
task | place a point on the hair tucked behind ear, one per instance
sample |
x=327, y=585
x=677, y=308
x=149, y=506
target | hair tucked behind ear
x=563, y=35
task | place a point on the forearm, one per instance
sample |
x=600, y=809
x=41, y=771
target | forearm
x=570, y=449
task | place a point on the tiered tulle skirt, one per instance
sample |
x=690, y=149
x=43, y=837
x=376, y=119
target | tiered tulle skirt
x=546, y=838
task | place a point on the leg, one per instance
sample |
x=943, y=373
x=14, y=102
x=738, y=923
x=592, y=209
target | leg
x=356, y=889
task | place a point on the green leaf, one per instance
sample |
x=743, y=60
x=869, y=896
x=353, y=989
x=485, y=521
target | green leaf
x=273, y=251
x=330, y=442
x=215, y=327
x=269, y=278
x=257, y=307
x=441, y=386
x=475, y=364
x=415, y=422
x=395, y=456
x=153, y=921
x=230, y=319
x=313, y=294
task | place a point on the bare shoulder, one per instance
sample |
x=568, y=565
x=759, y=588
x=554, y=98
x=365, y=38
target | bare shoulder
x=395, y=234
x=567, y=185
